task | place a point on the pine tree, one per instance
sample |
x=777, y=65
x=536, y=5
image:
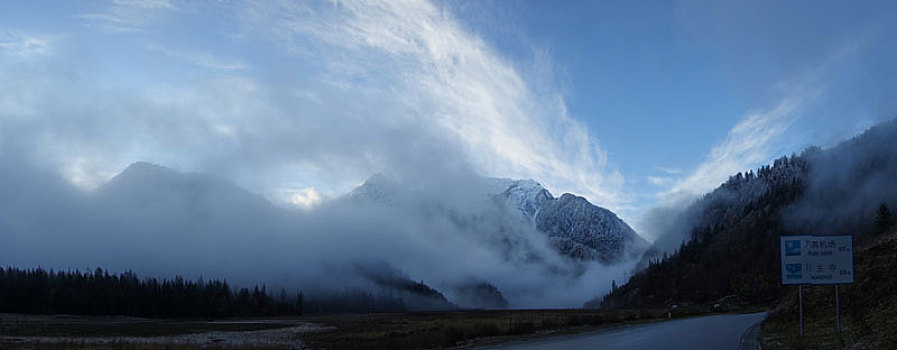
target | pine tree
x=883, y=219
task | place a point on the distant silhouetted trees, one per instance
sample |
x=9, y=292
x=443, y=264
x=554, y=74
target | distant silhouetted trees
x=101, y=293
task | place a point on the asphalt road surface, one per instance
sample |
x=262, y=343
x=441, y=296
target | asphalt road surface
x=709, y=332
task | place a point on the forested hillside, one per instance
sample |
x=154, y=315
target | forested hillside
x=732, y=234
x=730, y=246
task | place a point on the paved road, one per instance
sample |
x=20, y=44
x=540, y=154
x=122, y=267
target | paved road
x=709, y=332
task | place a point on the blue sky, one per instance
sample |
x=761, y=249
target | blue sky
x=635, y=105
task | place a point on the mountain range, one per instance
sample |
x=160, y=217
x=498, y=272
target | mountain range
x=520, y=221
x=574, y=227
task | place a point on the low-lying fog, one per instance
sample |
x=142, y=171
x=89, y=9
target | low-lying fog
x=160, y=222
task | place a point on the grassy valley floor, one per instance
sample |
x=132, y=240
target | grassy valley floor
x=362, y=331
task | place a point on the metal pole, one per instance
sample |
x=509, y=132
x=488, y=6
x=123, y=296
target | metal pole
x=838, y=307
x=800, y=298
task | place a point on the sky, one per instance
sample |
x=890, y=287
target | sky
x=634, y=105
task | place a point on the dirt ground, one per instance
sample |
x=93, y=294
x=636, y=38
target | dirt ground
x=64, y=331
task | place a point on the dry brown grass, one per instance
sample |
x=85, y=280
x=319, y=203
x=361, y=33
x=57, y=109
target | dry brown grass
x=366, y=331
x=450, y=329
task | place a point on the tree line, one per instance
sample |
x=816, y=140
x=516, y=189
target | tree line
x=732, y=245
x=727, y=248
x=39, y=291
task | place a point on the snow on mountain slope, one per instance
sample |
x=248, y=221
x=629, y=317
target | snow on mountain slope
x=377, y=188
x=527, y=196
x=574, y=218
x=574, y=227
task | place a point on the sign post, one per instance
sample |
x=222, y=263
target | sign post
x=838, y=308
x=817, y=260
x=800, y=298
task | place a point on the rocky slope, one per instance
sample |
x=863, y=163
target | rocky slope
x=575, y=227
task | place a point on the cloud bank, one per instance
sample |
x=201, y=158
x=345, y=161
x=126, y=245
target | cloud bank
x=284, y=98
x=298, y=102
x=160, y=222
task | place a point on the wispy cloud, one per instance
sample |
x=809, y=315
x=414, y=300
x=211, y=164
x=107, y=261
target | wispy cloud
x=444, y=78
x=128, y=15
x=757, y=138
x=758, y=135
x=748, y=144
x=657, y=180
x=25, y=45
x=667, y=176
x=668, y=171
x=202, y=59
x=360, y=87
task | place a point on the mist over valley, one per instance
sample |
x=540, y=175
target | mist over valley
x=407, y=174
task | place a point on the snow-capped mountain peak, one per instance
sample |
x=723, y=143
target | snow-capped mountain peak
x=378, y=188
x=575, y=227
x=527, y=196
